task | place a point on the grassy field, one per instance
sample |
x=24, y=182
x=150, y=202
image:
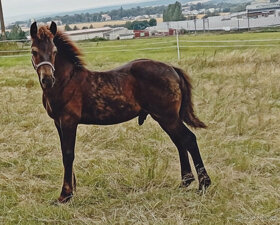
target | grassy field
x=128, y=174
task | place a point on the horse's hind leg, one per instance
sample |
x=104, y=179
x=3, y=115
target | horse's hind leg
x=174, y=134
x=186, y=172
x=185, y=141
x=203, y=178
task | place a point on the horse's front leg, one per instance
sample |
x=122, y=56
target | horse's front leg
x=67, y=133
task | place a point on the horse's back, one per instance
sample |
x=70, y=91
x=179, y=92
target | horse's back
x=139, y=86
x=148, y=69
x=152, y=77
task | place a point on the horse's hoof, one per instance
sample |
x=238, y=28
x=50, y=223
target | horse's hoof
x=187, y=180
x=204, y=183
x=65, y=199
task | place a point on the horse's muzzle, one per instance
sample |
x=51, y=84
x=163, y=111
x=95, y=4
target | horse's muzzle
x=47, y=81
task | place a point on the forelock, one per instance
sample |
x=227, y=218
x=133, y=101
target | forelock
x=44, y=33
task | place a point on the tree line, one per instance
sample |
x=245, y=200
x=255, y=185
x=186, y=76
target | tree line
x=133, y=12
x=223, y=6
x=116, y=14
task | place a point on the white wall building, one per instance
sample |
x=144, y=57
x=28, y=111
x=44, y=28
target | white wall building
x=78, y=35
x=119, y=33
x=106, y=17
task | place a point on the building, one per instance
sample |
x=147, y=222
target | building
x=126, y=36
x=78, y=35
x=106, y=17
x=118, y=33
x=262, y=9
x=220, y=23
x=58, y=22
x=153, y=31
x=141, y=33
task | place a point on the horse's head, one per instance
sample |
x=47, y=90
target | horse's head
x=44, y=52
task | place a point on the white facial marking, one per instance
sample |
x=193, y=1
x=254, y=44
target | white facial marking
x=41, y=77
x=34, y=49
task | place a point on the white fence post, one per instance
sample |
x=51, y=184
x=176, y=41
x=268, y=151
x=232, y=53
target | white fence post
x=178, y=45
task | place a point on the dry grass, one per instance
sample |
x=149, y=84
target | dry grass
x=129, y=174
x=97, y=24
x=102, y=24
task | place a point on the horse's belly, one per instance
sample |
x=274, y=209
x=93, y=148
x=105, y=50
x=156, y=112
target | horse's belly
x=109, y=112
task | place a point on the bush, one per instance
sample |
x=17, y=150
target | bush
x=67, y=28
x=97, y=39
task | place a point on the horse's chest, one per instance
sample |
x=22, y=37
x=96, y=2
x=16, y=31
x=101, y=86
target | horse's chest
x=52, y=108
x=48, y=108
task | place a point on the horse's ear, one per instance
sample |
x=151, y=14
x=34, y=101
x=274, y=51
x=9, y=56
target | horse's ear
x=53, y=28
x=33, y=30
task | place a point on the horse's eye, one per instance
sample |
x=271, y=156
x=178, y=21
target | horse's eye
x=34, y=53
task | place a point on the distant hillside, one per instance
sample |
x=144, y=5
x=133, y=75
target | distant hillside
x=147, y=4
x=124, y=6
x=138, y=4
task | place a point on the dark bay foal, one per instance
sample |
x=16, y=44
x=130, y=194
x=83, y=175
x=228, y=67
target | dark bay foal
x=74, y=95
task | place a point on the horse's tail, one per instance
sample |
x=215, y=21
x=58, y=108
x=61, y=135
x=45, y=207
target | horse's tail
x=186, y=110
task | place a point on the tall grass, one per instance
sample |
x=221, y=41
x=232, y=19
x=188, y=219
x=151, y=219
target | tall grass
x=131, y=175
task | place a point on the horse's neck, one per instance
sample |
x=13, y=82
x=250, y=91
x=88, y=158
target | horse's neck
x=63, y=68
x=64, y=71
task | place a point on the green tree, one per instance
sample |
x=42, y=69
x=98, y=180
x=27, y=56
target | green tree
x=173, y=12
x=115, y=14
x=128, y=25
x=137, y=25
x=121, y=12
x=67, y=28
x=153, y=22
x=16, y=33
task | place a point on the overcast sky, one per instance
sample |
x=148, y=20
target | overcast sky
x=22, y=9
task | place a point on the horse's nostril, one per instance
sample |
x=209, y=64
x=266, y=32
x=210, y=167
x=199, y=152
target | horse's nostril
x=47, y=82
x=44, y=80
